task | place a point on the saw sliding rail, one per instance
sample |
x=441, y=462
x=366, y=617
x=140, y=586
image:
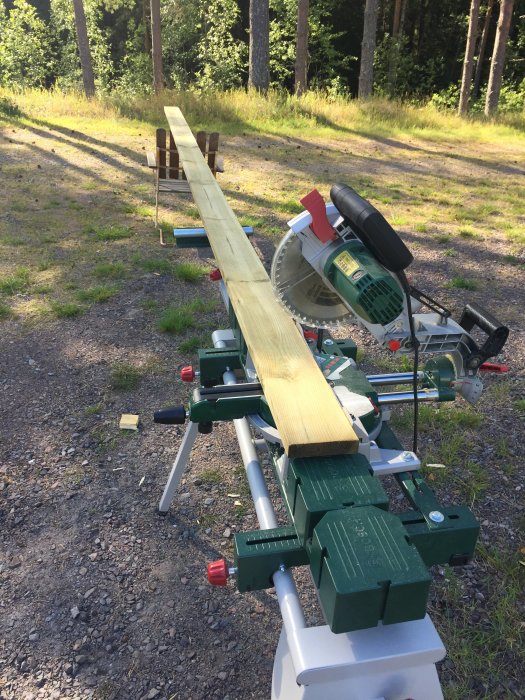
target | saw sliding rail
x=391, y=662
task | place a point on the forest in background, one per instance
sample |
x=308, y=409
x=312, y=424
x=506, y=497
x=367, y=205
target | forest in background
x=418, y=50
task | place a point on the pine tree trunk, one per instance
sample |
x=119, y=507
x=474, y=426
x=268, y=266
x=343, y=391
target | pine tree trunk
x=156, y=52
x=481, y=52
x=83, y=48
x=147, y=26
x=393, y=58
x=259, y=71
x=301, y=55
x=368, y=45
x=498, y=56
x=397, y=18
x=468, y=63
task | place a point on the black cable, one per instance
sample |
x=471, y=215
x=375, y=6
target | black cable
x=415, y=344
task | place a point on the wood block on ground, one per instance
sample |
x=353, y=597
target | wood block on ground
x=129, y=421
x=307, y=413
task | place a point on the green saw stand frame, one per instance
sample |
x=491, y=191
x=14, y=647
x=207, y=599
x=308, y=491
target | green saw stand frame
x=369, y=563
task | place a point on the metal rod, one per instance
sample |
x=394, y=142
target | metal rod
x=408, y=396
x=287, y=596
x=397, y=378
x=201, y=232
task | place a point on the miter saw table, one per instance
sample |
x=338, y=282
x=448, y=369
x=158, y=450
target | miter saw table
x=342, y=263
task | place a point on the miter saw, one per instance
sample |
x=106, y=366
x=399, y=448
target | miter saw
x=342, y=263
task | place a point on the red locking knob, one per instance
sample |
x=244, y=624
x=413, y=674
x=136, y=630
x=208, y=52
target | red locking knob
x=493, y=367
x=187, y=374
x=218, y=572
x=310, y=335
x=215, y=275
x=394, y=345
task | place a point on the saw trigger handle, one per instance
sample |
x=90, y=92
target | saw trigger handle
x=475, y=315
x=371, y=227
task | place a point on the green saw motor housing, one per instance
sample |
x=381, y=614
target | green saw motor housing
x=364, y=284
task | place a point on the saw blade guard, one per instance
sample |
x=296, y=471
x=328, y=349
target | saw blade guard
x=302, y=290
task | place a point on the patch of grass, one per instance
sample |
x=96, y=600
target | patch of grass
x=468, y=232
x=150, y=304
x=520, y=404
x=421, y=228
x=5, y=312
x=462, y=283
x=176, y=319
x=443, y=238
x=288, y=205
x=516, y=234
x=110, y=233
x=94, y=409
x=42, y=289
x=450, y=253
x=190, y=272
x=211, y=476
x=514, y=260
x=43, y=265
x=160, y=265
x=96, y=295
x=491, y=650
x=193, y=343
x=8, y=239
x=124, y=376
x=66, y=309
x=115, y=270
x=16, y=283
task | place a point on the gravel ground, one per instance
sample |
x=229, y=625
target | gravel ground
x=103, y=598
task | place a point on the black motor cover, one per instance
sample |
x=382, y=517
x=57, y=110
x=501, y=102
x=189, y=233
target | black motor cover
x=371, y=228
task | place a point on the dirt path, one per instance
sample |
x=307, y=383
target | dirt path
x=101, y=598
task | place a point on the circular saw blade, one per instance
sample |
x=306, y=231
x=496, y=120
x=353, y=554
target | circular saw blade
x=302, y=290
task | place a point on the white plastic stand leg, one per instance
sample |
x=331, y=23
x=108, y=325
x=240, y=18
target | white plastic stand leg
x=179, y=465
x=393, y=662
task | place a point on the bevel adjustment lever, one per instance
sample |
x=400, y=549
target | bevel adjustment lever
x=174, y=415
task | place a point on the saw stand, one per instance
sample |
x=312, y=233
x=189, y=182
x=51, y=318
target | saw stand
x=386, y=662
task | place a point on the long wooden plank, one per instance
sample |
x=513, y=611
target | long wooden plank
x=308, y=416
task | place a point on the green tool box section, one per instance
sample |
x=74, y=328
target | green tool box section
x=317, y=485
x=366, y=571
x=260, y=553
x=453, y=543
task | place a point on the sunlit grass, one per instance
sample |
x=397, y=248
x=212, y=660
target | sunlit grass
x=237, y=111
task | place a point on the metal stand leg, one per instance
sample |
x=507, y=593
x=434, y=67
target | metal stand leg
x=360, y=665
x=179, y=465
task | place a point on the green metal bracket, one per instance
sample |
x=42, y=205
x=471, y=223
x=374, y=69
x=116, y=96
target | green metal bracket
x=260, y=553
x=205, y=411
x=317, y=485
x=214, y=362
x=440, y=374
x=453, y=543
x=366, y=571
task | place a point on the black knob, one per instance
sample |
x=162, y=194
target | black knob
x=174, y=415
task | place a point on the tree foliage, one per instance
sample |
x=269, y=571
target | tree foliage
x=205, y=45
x=27, y=56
